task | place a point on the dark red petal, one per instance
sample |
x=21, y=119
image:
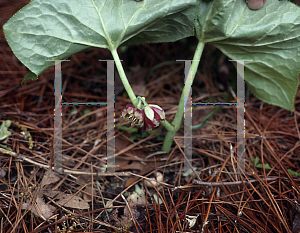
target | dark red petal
x=148, y=124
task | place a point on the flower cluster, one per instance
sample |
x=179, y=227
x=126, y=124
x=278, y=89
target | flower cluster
x=148, y=117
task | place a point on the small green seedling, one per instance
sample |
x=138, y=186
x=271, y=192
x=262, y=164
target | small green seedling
x=255, y=164
x=4, y=132
x=293, y=173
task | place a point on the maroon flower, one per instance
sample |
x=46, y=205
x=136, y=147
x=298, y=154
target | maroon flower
x=153, y=115
x=133, y=115
x=148, y=118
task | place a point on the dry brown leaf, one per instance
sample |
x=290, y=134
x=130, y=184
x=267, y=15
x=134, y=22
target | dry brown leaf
x=137, y=200
x=87, y=193
x=143, y=168
x=133, y=200
x=40, y=208
x=67, y=200
x=127, y=217
x=50, y=177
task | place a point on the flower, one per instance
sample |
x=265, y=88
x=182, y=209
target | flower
x=153, y=115
x=149, y=117
x=133, y=115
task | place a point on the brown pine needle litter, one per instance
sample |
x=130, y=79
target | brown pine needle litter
x=212, y=197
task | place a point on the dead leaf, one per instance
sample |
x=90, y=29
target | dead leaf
x=133, y=200
x=67, y=200
x=87, y=193
x=137, y=200
x=40, y=208
x=50, y=177
x=127, y=218
x=143, y=168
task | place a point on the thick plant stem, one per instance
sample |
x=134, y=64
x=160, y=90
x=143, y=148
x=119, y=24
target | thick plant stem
x=187, y=88
x=124, y=78
x=167, y=125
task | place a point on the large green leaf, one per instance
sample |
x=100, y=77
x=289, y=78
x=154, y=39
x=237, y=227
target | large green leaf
x=270, y=37
x=45, y=30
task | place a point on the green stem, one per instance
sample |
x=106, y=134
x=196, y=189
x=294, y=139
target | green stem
x=124, y=78
x=129, y=90
x=168, y=126
x=178, y=117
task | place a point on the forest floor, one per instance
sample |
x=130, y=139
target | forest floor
x=91, y=196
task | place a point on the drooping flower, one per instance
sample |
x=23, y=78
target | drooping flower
x=149, y=117
x=133, y=115
x=153, y=115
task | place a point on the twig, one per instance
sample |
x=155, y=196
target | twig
x=2, y=194
x=6, y=218
x=65, y=171
x=214, y=184
x=104, y=204
x=129, y=208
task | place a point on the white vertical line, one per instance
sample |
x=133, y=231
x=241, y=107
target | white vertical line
x=57, y=119
x=110, y=117
x=240, y=114
x=187, y=114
